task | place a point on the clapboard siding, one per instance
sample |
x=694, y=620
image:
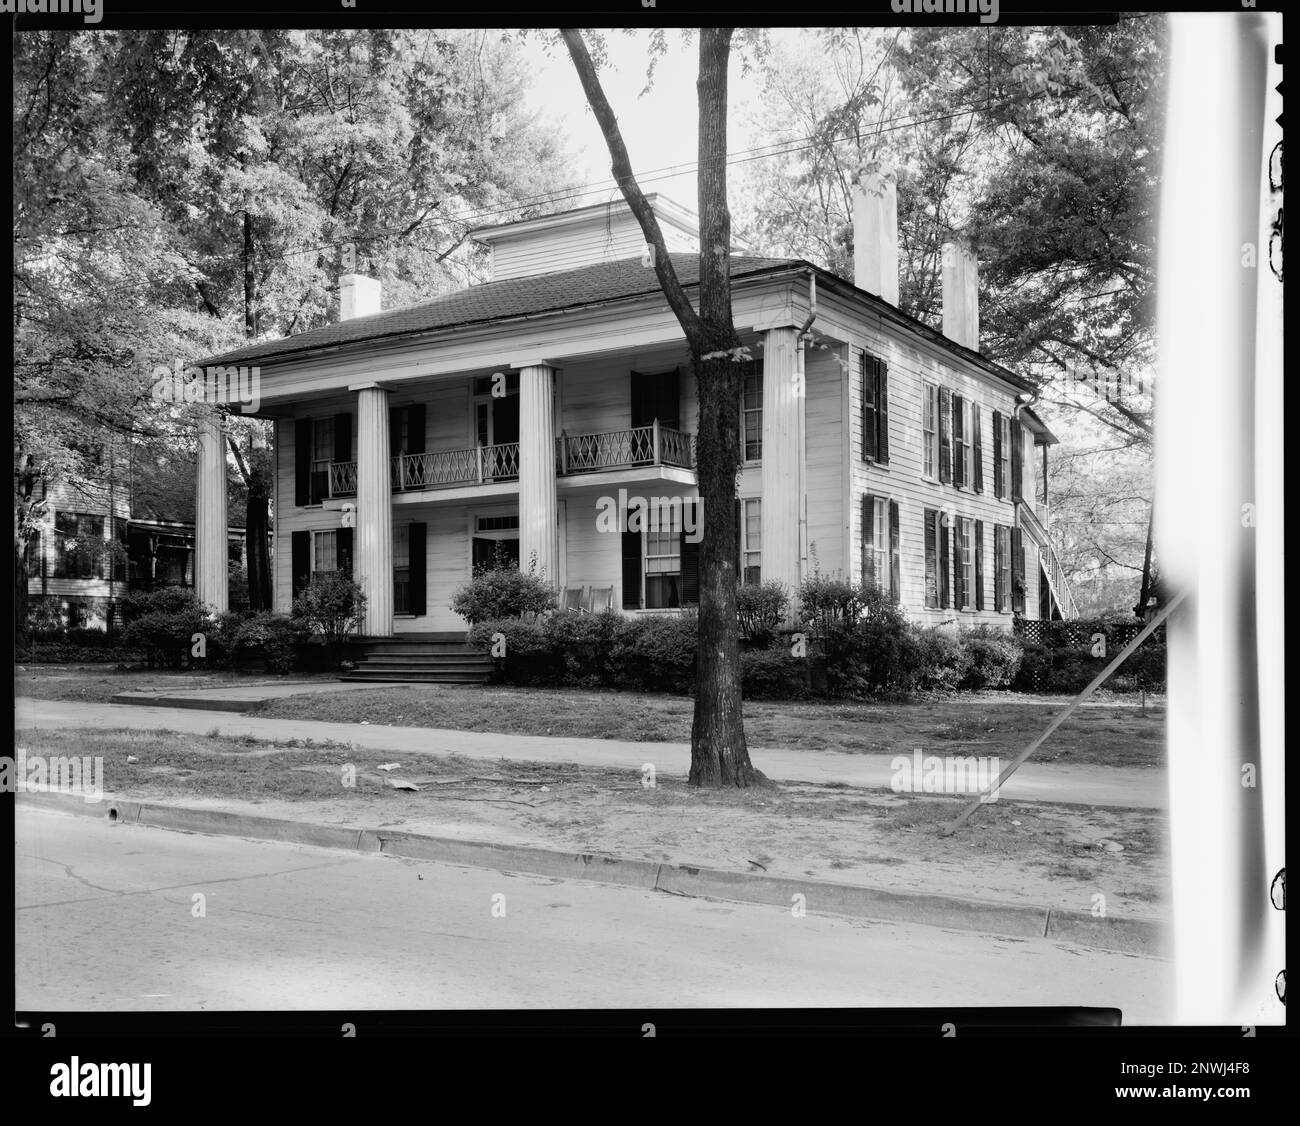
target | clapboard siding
x=903, y=480
x=603, y=237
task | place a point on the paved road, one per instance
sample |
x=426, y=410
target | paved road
x=1132, y=787
x=105, y=922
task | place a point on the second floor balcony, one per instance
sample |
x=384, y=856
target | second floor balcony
x=632, y=448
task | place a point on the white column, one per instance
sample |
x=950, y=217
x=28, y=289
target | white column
x=537, y=507
x=782, y=474
x=372, y=563
x=211, y=579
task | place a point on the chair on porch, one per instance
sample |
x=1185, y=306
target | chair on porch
x=573, y=598
x=599, y=598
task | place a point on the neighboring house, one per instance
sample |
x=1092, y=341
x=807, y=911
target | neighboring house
x=517, y=415
x=90, y=553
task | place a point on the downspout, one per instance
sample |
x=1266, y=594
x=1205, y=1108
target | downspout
x=803, y=423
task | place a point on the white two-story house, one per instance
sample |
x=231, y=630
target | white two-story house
x=508, y=419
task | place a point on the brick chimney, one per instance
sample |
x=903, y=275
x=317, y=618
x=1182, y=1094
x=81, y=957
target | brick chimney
x=359, y=296
x=875, y=231
x=961, y=295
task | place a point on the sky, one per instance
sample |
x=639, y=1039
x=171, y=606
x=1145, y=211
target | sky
x=659, y=128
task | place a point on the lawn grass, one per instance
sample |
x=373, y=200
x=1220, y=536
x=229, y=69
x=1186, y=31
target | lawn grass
x=988, y=724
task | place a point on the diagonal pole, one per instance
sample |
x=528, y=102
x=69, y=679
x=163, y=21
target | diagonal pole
x=1097, y=682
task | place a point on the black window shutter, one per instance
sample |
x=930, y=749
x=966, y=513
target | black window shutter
x=958, y=439
x=669, y=407
x=945, y=575
x=343, y=437
x=344, y=553
x=300, y=562
x=870, y=449
x=395, y=430
x=945, y=435
x=418, y=568
x=895, y=557
x=997, y=454
x=979, y=564
x=1017, y=572
x=960, y=594
x=868, y=525
x=631, y=568
x=415, y=428
x=977, y=446
x=1017, y=455
x=999, y=595
x=882, y=410
x=690, y=553
x=931, y=560
x=302, y=462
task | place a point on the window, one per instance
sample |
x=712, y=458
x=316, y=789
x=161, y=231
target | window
x=934, y=530
x=1001, y=454
x=78, y=546
x=964, y=439
x=875, y=541
x=663, y=564
x=751, y=531
x=930, y=429
x=322, y=445
x=1002, y=569
x=497, y=523
x=875, y=408
x=751, y=413
x=966, y=563
x=324, y=552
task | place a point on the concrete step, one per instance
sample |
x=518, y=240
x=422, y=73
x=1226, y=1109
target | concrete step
x=417, y=676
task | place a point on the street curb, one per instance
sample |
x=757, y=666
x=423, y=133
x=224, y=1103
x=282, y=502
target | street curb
x=143, y=699
x=1127, y=935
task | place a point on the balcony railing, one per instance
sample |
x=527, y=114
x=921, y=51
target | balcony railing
x=575, y=453
x=619, y=449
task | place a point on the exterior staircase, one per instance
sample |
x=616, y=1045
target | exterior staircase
x=424, y=658
x=1052, y=569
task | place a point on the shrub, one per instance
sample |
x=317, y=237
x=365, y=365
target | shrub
x=163, y=623
x=582, y=645
x=773, y=674
x=945, y=661
x=332, y=607
x=44, y=619
x=995, y=657
x=825, y=603
x=496, y=593
x=526, y=658
x=761, y=609
x=273, y=637
x=657, y=654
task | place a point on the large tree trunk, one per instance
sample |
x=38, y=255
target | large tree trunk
x=257, y=524
x=719, y=756
x=24, y=486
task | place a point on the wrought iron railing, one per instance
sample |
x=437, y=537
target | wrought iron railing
x=616, y=449
x=343, y=478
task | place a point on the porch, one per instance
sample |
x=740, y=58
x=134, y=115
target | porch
x=632, y=448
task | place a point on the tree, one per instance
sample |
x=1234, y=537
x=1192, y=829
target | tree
x=719, y=755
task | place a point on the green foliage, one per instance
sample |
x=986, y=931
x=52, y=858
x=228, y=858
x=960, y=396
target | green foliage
x=761, y=608
x=502, y=592
x=773, y=674
x=270, y=637
x=331, y=607
x=995, y=657
x=162, y=624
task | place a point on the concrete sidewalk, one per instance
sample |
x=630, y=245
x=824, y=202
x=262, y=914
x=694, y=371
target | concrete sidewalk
x=1126, y=787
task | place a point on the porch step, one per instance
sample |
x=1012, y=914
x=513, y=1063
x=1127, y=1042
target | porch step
x=419, y=658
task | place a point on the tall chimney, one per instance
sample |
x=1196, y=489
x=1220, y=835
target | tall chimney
x=875, y=231
x=359, y=296
x=961, y=295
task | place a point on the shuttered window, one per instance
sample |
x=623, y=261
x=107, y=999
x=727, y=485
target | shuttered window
x=751, y=411
x=874, y=373
x=751, y=541
x=875, y=541
x=929, y=429
x=945, y=435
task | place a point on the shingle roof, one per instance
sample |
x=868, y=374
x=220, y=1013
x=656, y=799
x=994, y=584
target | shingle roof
x=499, y=300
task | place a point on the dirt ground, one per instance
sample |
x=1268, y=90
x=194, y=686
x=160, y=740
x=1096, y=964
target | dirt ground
x=1049, y=855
